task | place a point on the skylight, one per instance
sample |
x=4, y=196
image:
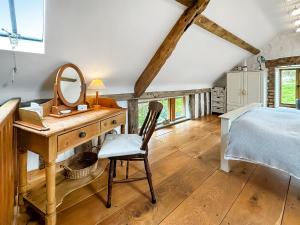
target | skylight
x=24, y=21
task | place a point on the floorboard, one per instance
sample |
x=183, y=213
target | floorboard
x=122, y=193
x=190, y=189
x=170, y=194
x=292, y=208
x=262, y=200
x=212, y=200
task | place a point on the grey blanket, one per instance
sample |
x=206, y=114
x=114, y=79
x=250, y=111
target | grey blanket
x=270, y=137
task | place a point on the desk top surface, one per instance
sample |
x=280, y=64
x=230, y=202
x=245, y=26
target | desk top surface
x=60, y=125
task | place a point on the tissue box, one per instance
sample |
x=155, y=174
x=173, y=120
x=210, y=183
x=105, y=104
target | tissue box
x=82, y=107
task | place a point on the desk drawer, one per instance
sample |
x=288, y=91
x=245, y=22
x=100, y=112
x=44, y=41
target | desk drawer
x=77, y=137
x=111, y=123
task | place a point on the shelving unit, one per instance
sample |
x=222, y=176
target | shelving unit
x=36, y=195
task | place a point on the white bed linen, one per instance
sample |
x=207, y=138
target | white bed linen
x=269, y=137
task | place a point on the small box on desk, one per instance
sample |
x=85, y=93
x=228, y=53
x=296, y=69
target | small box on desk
x=32, y=116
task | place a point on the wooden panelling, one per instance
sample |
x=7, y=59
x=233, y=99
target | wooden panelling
x=77, y=137
x=7, y=162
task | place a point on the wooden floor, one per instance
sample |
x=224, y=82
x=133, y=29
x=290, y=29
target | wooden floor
x=191, y=189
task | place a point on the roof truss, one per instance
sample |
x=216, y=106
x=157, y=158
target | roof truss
x=191, y=15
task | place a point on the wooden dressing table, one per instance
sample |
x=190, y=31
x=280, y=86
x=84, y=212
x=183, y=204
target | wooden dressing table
x=64, y=134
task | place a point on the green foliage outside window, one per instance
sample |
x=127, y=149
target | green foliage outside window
x=143, y=110
x=288, y=86
x=179, y=110
x=179, y=107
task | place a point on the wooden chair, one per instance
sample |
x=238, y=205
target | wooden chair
x=131, y=147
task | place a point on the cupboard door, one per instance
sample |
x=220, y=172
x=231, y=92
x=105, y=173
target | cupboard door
x=234, y=88
x=252, y=87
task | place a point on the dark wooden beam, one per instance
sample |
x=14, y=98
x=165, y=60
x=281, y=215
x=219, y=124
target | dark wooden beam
x=221, y=32
x=200, y=105
x=288, y=61
x=205, y=105
x=156, y=94
x=133, y=116
x=168, y=46
x=192, y=106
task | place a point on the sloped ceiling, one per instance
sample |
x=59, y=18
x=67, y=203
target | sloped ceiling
x=114, y=40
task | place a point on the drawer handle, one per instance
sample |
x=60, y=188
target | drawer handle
x=114, y=122
x=82, y=134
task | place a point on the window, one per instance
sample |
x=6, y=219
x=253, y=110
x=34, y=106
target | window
x=173, y=110
x=25, y=21
x=180, y=108
x=289, y=86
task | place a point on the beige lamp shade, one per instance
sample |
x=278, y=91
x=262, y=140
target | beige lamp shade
x=96, y=84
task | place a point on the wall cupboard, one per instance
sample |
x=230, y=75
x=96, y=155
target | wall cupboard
x=244, y=88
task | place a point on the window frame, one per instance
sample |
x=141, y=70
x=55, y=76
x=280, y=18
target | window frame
x=171, y=108
x=14, y=28
x=297, y=87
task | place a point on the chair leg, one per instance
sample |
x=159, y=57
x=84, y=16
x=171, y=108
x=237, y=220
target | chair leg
x=149, y=177
x=115, y=168
x=110, y=182
x=127, y=169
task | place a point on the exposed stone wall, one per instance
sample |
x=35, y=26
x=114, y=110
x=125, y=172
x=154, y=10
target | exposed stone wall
x=284, y=46
x=271, y=87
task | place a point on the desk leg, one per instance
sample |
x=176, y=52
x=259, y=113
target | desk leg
x=50, y=188
x=123, y=129
x=22, y=158
x=122, y=132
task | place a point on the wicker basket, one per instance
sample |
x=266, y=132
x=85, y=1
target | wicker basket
x=80, y=165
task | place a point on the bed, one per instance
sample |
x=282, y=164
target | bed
x=260, y=135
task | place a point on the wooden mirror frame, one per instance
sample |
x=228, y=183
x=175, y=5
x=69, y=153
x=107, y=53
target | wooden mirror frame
x=59, y=101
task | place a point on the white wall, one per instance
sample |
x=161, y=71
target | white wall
x=286, y=44
x=114, y=40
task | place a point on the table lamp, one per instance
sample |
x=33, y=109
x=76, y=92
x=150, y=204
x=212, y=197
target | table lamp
x=97, y=85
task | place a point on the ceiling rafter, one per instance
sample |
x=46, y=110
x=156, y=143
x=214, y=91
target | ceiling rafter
x=191, y=15
x=168, y=46
x=221, y=32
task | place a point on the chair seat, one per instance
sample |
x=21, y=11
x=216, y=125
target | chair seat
x=121, y=145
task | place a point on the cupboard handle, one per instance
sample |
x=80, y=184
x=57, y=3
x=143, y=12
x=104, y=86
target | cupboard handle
x=114, y=122
x=82, y=134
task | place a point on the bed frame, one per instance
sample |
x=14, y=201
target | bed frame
x=226, y=121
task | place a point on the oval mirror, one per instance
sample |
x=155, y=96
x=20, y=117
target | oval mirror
x=70, y=85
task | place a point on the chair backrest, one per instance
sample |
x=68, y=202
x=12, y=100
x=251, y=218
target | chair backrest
x=149, y=124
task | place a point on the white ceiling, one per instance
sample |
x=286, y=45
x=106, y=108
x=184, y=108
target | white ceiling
x=114, y=40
